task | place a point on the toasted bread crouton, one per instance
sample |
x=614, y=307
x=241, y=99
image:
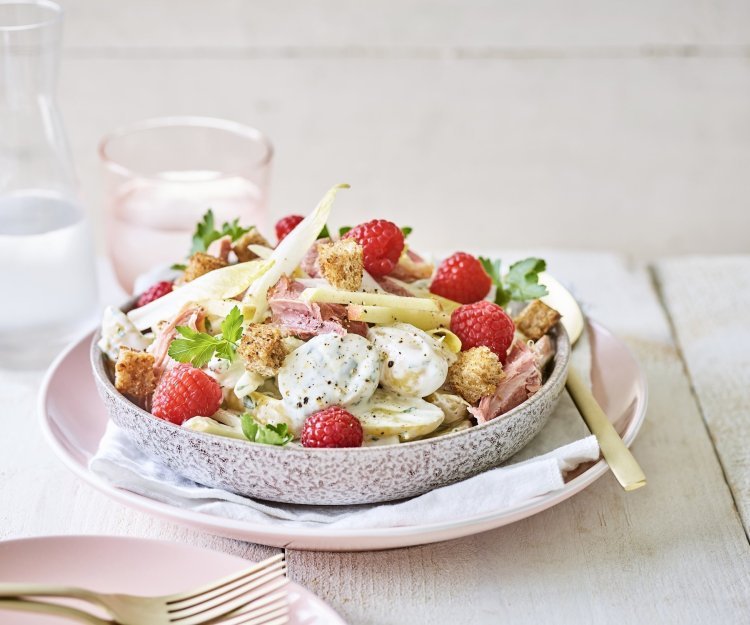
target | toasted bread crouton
x=342, y=264
x=262, y=348
x=536, y=319
x=134, y=373
x=475, y=374
x=249, y=238
x=201, y=264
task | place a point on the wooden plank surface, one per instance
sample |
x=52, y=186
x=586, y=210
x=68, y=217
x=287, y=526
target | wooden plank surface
x=348, y=27
x=673, y=552
x=573, y=144
x=708, y=300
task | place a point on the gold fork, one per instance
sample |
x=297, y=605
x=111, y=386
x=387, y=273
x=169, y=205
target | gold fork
x=619, y=458
x=242, y=598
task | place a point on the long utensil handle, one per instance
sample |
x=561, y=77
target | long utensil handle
x=42, y=607
x=623, y=464
x=45, y=590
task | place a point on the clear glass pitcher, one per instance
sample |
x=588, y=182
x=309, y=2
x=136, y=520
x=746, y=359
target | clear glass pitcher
x=47, y=276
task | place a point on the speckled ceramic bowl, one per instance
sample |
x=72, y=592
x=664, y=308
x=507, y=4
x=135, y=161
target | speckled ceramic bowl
x=336, y=476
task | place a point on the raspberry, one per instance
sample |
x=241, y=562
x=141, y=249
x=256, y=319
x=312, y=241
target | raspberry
x=382, y=243
x=185, y=392
x=286, y=224
x=154, y=292
x=461, y=278
x=332, y=427
x=483, y=323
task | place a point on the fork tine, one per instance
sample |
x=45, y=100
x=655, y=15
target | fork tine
x=224, y=581
x=257, y=606
x=256, y=618
x=199, y=617
x=183, y=604
x=280, y=616
x=179, y=611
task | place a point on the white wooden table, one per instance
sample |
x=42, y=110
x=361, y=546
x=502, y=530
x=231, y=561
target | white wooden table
x=674, y=552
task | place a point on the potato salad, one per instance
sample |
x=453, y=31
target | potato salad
x=330, y=338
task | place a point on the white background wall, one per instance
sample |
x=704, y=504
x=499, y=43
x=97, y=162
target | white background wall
x=586, y=124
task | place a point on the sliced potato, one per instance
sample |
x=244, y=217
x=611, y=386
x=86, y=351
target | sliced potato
x=390, y=414
x=209, y=426
x=422, y=319
x=449, y=429
x=454, y=407
x=335, y=296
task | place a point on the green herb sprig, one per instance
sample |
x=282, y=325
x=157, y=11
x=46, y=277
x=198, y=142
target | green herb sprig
x=520, y=284
x=206, y=232
x=268, y=434
x=198, y=347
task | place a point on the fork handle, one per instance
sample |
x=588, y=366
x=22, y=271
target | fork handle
x=44, y=590
x=619, y=458
x=27, y=605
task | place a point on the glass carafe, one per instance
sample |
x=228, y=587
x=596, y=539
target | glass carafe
x=47, y=277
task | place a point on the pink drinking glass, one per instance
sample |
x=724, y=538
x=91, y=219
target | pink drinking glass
x=162, y=176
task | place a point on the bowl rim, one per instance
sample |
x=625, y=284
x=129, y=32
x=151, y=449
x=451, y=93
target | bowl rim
x=560, y=360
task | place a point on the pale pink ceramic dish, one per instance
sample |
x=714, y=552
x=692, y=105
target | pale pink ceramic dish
x=130, y=565
x=74, y=423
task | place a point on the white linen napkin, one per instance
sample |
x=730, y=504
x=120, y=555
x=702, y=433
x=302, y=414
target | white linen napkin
x=538, y=469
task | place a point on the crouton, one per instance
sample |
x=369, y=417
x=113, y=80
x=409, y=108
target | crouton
x=536, y=319
x=249, y=238
x=201, y=264
x=262, y=348
x=342, y=264
x=134, y=373
x=475, y=374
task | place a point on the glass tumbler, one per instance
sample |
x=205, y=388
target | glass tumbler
x=47, y=274
x=163, y=174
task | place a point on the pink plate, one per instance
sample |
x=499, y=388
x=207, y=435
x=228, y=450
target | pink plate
x=133, y=566
x=74, y=423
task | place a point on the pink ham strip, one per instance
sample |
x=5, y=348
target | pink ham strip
x=522, y=379
x=388, y=284
x=412, y=268
x=221, y=248
x=309, y=263
x=191, y=316
x=306, y=320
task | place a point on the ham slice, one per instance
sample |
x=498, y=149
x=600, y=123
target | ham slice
x=412, y=267
x=523, y=378
x=304, y=319
x=393, y=286
x=221, y=248
x=309, y=263
x=191, y=316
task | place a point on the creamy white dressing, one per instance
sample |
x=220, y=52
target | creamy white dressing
x=414, y=363
x=328, y=370
x=118, y=331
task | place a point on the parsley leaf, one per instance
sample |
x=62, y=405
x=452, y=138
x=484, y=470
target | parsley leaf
x=206, y=232
x=178, y=267
x=231, y=327
x=269, y=434
x=324, y=234
x=233, y=229
x=198, y=347
x=343, y=230
x=520, y=284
